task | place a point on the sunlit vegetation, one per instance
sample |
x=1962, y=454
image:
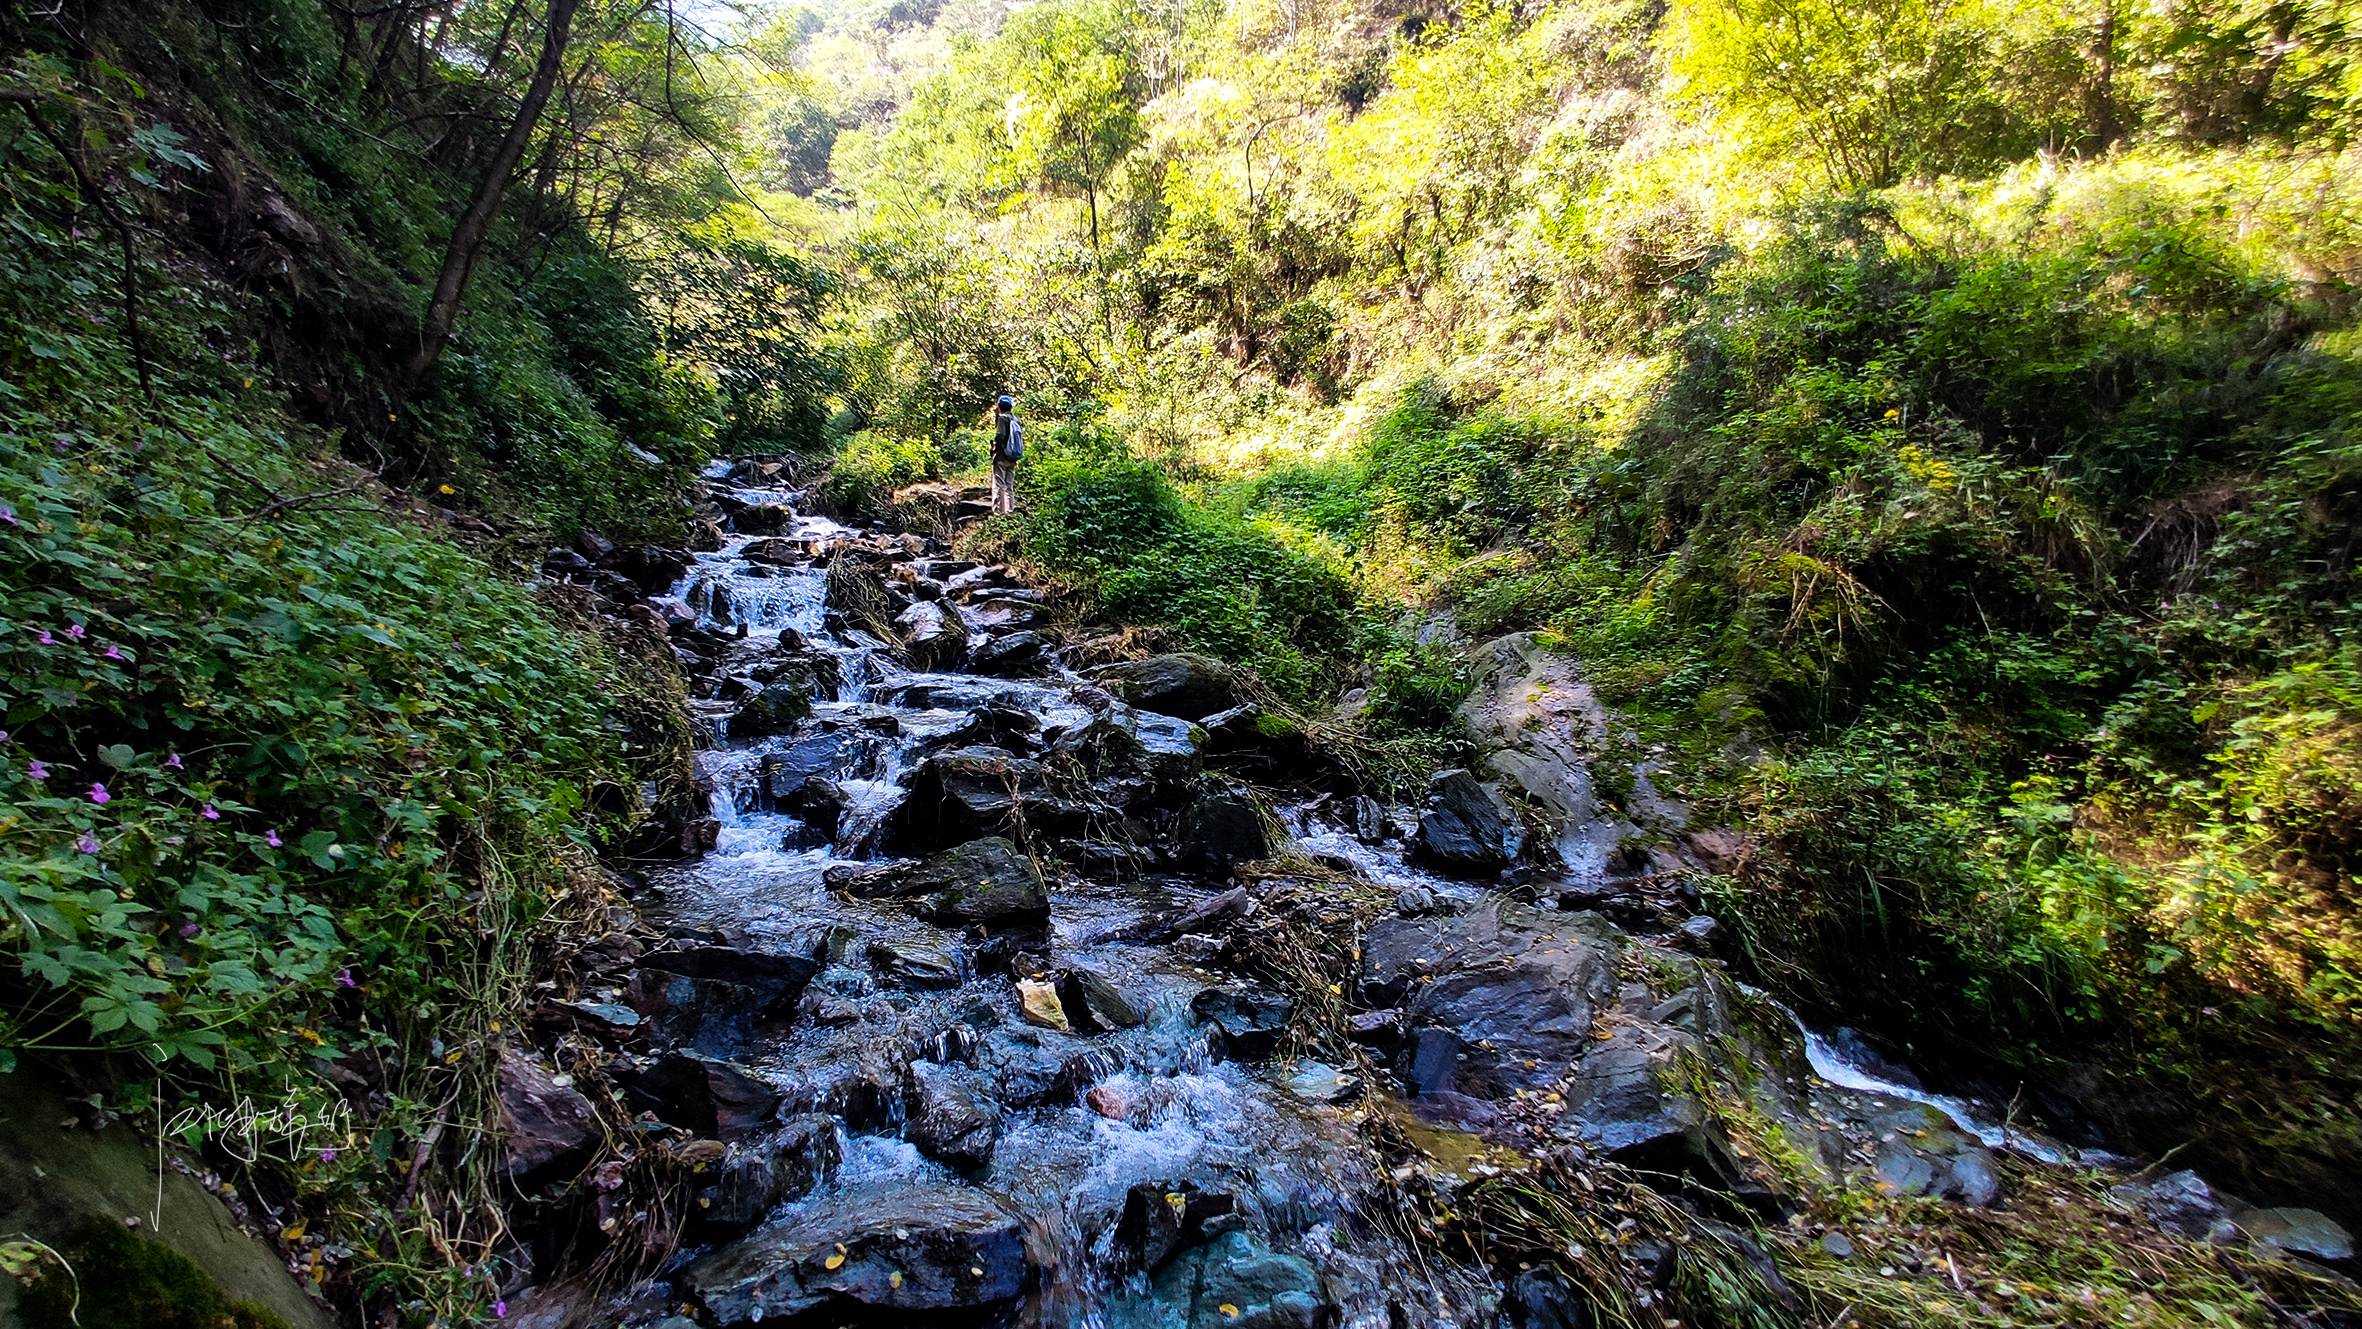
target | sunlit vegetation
x=1934, y=424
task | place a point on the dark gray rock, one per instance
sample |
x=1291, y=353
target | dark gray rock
x=1189, y=686
x=546, y=1128
x=762, y=519
x=711, y=998
x=1469, y=826
x=778, y=708
x=908, y=1250
x=2178, y=1202
x=1023, y=653
x=1540, y=1299
x=653, y=568
x=709, y=1097
x=1224, y=826
x=933, y=637
x=1095, y=1004
x=1518, y=986
x=983, y=881
x=1250, y=1021
x=1233, y=1281
x=1920, y=1152
x=2306, y=1232
x=913, y=965
x=959, y=795
x=780, y=776
x=742, y=1183
x=952, y=1117
x=1159, y=1219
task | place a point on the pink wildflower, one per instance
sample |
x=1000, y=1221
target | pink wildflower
x=100, y=796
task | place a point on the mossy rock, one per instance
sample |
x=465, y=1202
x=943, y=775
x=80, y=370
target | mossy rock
x=121, y=1280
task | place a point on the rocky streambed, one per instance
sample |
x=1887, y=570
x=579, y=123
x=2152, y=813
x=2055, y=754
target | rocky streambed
x=1012, y=983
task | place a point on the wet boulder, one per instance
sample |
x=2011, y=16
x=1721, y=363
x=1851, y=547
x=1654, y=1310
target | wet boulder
x=2306, y=1232
x=1094, y=1003
x=983, y=881
x=819, y=805
x=1233, y=1281
x=1920, y=1152
x=1629, y=1100
x=565, y=563
x=1224, y=826
x=1025, y=1065
x=546, y=1126
x=717, y=1099
x=2178, y=1202
x=653, y=568
x=776, y=709
x=913, y=965
x=1519, y=987
x=933, y=637
x=1469, y=827
x=738, y=1185
x=1128, y=755
x=1249, y=1021
x=780, y=776
x=958, y=795
x=1020, y=654
x=777, y=551
x=762, y=519
x=951, y=1116
x=906, y=1250
x=711, y=997
x=1161, y=1218
x=1186, y=685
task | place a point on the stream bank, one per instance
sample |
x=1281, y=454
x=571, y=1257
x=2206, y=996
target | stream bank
x=1003, y=987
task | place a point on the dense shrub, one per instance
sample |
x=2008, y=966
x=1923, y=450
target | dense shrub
x=1123, y=534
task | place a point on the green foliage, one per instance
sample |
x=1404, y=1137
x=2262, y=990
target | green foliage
x=869, y=466
x=253, y=743
x=1119, y=530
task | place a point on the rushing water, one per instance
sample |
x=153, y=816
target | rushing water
x=1168, y=1112
x=1180, y=1115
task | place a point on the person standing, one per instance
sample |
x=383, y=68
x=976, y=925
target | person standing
x=1008, y=444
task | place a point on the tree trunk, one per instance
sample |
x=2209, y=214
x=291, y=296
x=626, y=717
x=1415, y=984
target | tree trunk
x=467, y=238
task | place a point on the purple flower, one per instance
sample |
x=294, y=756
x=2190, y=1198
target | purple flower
x=172, y=762
x=87, y=843
x=3, y=735
x=344, y=979
x=271, y=838
x=499, y=1309
x=112, y=653
x=210, y=813
x=35, y=770
x=8, y=514
x=75, y=632
x=45, y=639
x=188, y=929
x=99, y=795
x=328, y=1155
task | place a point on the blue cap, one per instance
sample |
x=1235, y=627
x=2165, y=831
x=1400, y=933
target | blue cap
x=1008, y=401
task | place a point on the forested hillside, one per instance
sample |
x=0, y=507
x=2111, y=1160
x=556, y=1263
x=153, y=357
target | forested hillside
x=1932, y=424
x=1928, y=433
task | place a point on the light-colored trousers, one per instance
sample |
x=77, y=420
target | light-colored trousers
x=1004, y=484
